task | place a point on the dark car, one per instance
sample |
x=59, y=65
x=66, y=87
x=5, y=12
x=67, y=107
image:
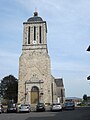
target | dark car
x=69, y=106
x=40, y=107
x=11, y=108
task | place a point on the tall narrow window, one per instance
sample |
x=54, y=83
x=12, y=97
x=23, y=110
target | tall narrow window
x=40, y=34
x=34, y=33
x=29, y=35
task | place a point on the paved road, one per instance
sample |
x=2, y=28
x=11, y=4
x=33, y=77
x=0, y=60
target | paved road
x=77, y=114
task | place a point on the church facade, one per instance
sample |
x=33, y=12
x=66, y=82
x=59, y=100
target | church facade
x=36, y=84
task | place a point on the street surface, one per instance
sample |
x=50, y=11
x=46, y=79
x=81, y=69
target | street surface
x=77, y=114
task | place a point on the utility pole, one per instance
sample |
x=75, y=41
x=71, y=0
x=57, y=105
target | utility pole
x=88, y=49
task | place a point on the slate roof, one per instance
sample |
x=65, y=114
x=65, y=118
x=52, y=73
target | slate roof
x=59, y=82
x=35, y=18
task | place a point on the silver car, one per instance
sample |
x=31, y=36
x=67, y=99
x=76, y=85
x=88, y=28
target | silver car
x=24, y=108
x=69, y=106
x=56, y=107
x=1, y=108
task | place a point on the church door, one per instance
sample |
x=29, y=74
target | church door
x=34, y=95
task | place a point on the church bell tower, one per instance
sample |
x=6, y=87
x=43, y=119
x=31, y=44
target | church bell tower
x=35, y=33
x=34, y=63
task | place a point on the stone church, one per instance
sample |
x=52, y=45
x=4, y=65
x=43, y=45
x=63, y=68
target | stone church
x=36, y=83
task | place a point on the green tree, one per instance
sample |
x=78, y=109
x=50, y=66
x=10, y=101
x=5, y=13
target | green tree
x=85, y=97
x=10, y=88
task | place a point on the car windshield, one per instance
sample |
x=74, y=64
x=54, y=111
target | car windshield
x=69, y=103
x=40, y=104
x=11, y=105
x=24, y=105
x=56, y=103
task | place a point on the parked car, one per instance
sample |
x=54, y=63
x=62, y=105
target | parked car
x=24, y=108
x=40, y=107
x=56, y=107
x=12, y=108
x=1, y=108
x=69, y=106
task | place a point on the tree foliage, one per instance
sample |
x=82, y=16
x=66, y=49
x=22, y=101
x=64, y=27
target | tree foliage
x=10, y=88
x=85, y=97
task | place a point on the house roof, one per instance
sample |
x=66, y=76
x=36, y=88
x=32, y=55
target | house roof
x=59, y=82
x=88, y=48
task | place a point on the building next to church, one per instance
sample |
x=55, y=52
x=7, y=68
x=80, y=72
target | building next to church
x=36, y=83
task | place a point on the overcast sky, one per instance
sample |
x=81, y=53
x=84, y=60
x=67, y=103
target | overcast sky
x=68, y=23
